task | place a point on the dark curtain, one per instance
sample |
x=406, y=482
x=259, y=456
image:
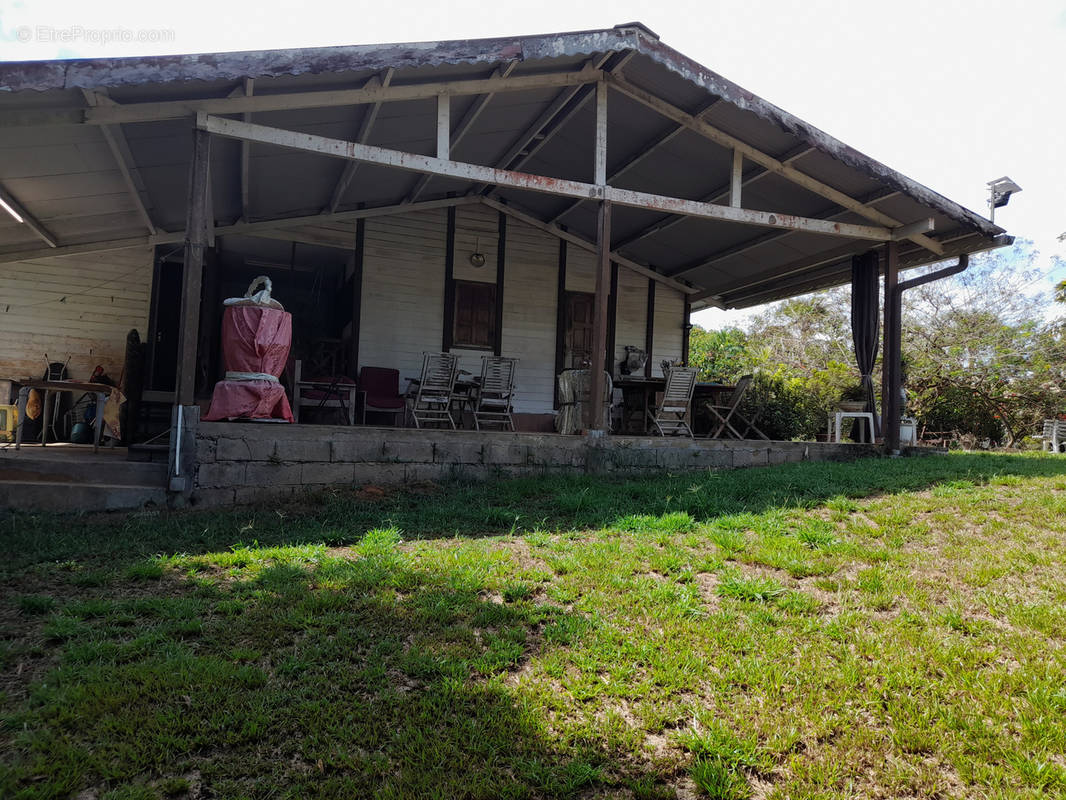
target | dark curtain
x=865, y=322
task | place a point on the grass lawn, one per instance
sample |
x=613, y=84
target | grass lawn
x=888, y=628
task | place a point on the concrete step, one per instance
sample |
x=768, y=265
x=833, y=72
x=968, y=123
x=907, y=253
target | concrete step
x=62, y=497
x=82, y=469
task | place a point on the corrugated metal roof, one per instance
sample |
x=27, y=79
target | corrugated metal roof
x=67, y=177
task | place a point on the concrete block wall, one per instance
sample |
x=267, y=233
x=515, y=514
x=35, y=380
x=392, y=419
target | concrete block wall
x=247, y=463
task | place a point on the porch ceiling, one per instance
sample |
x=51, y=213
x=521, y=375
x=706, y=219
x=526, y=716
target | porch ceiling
x=82, y=181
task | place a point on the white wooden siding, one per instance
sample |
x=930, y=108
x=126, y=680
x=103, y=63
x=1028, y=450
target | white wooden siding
x=475, y=227
x=78, y=306
x=580, y=270
x=631, y=312
x=403, y=290
x=529, y=312
x=669, y=319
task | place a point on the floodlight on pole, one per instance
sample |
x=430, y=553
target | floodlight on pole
x=1000, y=191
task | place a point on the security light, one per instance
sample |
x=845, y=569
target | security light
x=1000, y=191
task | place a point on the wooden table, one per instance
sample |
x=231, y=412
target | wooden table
x=101, y=390
x=638, y=390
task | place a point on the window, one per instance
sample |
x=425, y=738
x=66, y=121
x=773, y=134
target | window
x=475, y=315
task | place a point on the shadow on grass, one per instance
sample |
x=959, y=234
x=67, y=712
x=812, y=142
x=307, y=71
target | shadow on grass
x=493, y=508
x=293, y=673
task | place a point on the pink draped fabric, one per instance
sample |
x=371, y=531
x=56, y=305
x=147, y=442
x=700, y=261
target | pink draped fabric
x=254, y=339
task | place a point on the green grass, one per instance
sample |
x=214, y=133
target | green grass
x=887, y=628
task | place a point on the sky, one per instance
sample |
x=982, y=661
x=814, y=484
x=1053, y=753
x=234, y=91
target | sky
x=953, y=93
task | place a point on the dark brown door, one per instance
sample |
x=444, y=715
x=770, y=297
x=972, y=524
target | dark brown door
x=579, y=311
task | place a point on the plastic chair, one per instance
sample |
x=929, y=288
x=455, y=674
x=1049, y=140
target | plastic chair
x=381, y=391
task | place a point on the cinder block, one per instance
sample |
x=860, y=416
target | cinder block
x=262, y=473
x=221, y=474
x=205, y=450
x=378, y=474
x=415, y=473
x=273, y=449
x=458, y=452
x=502, y=453
x=359, y=450
x=750, y=457
x=327, y=473
x=212, y=498
x=409, y=451
x=228, y=449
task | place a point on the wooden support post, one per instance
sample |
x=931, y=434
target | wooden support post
x=444, y=126
x=686, y=331
x=601, y=137
x=737, y=181
x=501, y=269
x=612, y=319
x=649, y=327
x=594, y=410
x=357, y=296
x=560, y=317
x=195, y=244
x=449, y=284
x=891, y=378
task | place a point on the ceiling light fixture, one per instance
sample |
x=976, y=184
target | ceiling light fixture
x=11, y=211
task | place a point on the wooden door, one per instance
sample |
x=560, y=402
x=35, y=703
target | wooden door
x=579, y=315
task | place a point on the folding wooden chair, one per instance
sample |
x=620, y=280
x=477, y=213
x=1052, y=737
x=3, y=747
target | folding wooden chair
x=728, y=411
x=673, y=414
x=495, y=392
x=435, y=392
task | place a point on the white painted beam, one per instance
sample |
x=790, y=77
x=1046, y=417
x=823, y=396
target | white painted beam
x=522, y=180
x=178, y=109
x=246, y=159
x=763, y=159
x=444, y=126
x=601, y=136
x=737, y=179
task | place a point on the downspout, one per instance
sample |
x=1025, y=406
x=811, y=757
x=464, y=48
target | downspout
x=895, y=358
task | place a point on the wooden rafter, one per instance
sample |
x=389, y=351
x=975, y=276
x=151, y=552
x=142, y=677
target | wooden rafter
x=716, y=195
x=585, y=244
x=464, y=126
x=763, y=159
x=773, y=236
x=242, y=228
x=180, y=109
x=642, y=153
x=370, y=116
x=127, y=167
x=558, y=111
